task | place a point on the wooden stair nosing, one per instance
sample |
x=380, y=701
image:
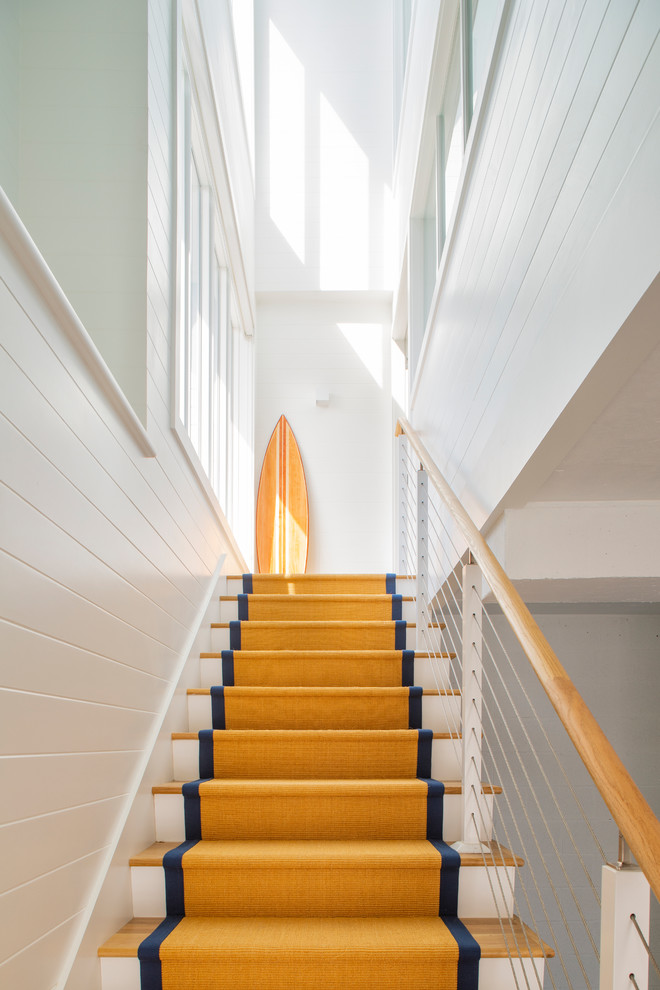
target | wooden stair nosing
x=498, y=856
x=451, y=786
x=517, y=939
x=367, y=653
x=427, y=692
x=350, y=623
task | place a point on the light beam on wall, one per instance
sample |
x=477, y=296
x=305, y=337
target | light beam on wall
x=344, y=247
x=366, y=339
x=287, y=141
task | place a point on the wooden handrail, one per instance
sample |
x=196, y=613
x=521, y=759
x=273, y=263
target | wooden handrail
x=631, y=812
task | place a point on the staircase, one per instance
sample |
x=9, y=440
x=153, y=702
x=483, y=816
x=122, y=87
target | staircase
x=305, y=840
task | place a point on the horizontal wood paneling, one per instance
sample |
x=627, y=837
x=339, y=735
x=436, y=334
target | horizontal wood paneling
x=54, y=782
x=554, y=243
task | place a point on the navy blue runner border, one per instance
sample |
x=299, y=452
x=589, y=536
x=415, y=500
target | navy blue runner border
x=451, y=861
x=192, y=811
x=424, y=745
x=174, y=895
x=415, y=707
x=469, y=954
x=400, y=634
x=247, y=584
x=228, y=667
x=234, y=634
x=206, y=769
x=407, y=668
x=397, y=607
x=151, y=977
x=242, y=607
x=435, y=801
x=390, y=584
x=218, y=707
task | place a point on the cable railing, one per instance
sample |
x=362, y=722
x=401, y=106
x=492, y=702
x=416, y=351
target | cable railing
x=540, y=781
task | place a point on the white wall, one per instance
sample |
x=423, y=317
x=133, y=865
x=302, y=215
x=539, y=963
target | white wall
x=107, y=557
x=323, y=174
x=346, y=447
x=324, y=144
x=555, y=240
x=9, y=96
x=82, y=157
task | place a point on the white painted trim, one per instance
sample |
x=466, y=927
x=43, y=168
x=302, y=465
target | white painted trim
x=469, y=157
x=140, y=770
x=27, y=253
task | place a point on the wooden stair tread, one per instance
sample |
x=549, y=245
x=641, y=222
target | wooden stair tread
x=254, y=689
x=362, y=653
x=323, y=598
x=350, y=623
x=498, y=855
x=487, y=931
x=451, y=786
x=436, y=735
x=317, y=577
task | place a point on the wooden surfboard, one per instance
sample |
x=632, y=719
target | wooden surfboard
x=282, y=506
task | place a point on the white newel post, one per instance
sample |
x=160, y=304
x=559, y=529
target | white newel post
x=401, y=504
x=422, y=611
x=625, y=891
x=475, y=809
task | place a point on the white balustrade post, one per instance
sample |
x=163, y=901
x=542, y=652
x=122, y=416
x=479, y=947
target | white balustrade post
x=625, y=892
x=422, y=610
x=475, y=809
x=401, y=504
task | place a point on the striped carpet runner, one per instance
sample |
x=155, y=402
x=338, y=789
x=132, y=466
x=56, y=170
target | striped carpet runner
x=313, y=855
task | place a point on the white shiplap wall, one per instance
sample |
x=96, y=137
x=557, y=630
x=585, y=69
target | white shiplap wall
x=555, y=242
x=107, y=557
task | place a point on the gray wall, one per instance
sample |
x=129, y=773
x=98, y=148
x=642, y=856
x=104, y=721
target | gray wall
x=612, y=655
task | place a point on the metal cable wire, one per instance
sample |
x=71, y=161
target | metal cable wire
x=448, y=615
x=541, y=725
x=554, y=798
x=531, y=827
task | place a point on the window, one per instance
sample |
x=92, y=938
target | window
x=205, y=376
x=466, y=35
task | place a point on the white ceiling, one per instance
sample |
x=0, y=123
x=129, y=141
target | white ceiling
x=618, y=457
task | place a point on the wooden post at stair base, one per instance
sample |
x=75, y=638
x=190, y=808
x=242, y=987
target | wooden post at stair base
x=475, y=810
x=422, y=617
x=401, y=505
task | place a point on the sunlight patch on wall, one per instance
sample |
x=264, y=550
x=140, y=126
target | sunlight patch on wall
x=366, y=339
x=287, y=141
x=344, y=247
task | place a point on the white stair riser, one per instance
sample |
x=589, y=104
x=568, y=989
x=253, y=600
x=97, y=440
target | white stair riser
x=440, y=713
x=170, y=826
x=475, y=896
x=494, y=974
x=404, y=586
x=428, y=673
x=120, y=974
x=220, y=639
x=445, y=759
